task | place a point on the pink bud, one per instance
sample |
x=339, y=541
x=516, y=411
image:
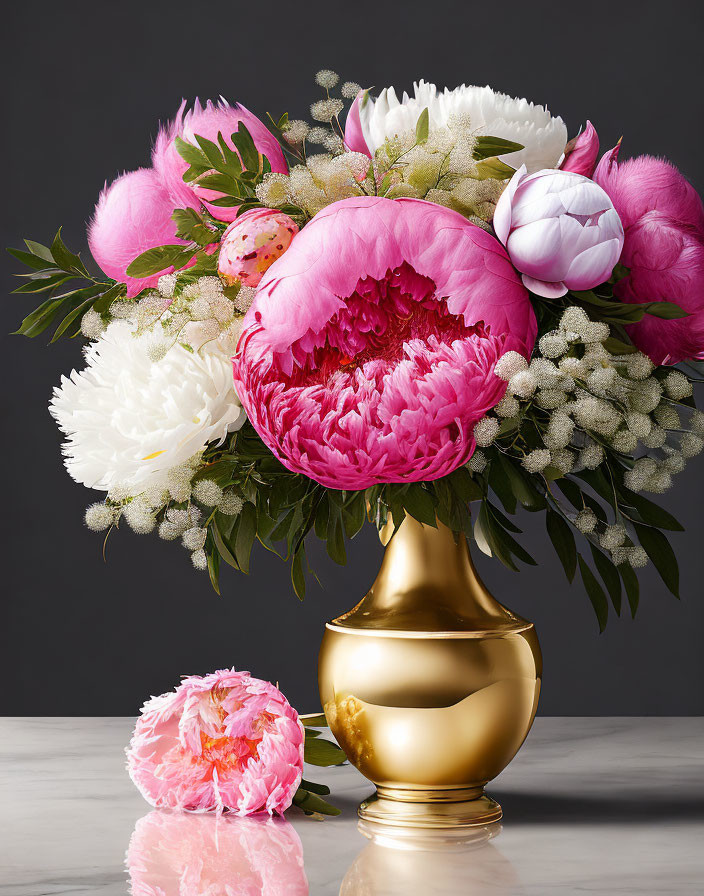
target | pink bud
x=581, y=152
x=252, y=243
x=354, y=137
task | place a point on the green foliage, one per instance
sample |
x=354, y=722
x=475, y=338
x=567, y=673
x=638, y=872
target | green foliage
x=51, y=268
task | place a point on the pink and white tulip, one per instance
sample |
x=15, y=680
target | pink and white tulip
x=368, y=353
x=252, y=243
x=560, y=230
x=133, y=214
x=225, y=741
x=582, y=152
x=208, y=122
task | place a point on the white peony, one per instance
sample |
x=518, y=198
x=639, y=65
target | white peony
x=129, y=420
x=490, y=113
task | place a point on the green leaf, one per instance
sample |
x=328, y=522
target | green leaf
x=322, y=752
x=658, y=548
x=155, y=260
x=610, y=577
x=31, y=260
x=487, y=146
x=665, y=310
x=630, y=583
x=214, y=570
x=191, y=154
x=222, y=548
x=650, y=512
x=493, y=168
x=312, y=804
x=298, y=579
x=246, y=148
x=423, y=127
x=562, y=539
x=418, y=502
x=65, y=259
x=595, y=593
x=40, y=251
x=190, y=226
x=312, y=787
x=314, y=720
x=522, y=484
x=246, y=533
x=500, y=483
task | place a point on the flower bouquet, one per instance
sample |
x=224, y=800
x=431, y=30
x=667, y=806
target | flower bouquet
x=407, y=308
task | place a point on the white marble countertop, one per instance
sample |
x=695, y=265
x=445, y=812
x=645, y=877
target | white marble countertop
x=590, y=805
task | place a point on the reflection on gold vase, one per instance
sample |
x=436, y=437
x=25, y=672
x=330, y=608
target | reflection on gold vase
x=410, y=862
x=429, y=684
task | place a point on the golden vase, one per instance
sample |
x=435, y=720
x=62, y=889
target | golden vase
x=429, y=684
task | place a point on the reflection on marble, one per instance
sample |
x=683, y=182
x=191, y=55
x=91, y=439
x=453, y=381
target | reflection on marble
x=178, y=854
x=405, y=862
x=607, y=806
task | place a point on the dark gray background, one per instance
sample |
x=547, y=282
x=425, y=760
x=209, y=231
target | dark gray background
x=84, y=86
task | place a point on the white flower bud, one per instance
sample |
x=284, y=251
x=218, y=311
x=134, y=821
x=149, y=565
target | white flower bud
x=485, y=431
x=586, y=521
x=99, y=517
x=199, y=559
x=510, y=364
x=194, y=538
x=637, y=557
x=613, y=537
x=207, y=492
x=591, y=456
x=507, y=407
x=477, y=462
x=537, y=460
x=522, y=384
x=677, y=385
x=553, y=344
x=690, y=444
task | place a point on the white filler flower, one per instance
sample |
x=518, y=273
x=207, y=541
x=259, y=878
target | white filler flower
x=129, y=420
x=489, y=112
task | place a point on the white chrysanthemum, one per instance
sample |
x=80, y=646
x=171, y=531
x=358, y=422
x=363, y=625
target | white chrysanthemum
x=489, y=112
x=128, y=421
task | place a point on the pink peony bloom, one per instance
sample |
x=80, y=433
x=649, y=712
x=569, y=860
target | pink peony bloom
x=663, y=217
x=171, y=854
x=133, y=214
x=582, y=152
x=368, y=353
x=252, y=243
x=208, y=122
x=225, y=741
x=560, y=230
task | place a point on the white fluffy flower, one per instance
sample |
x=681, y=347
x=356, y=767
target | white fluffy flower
x=129, y=421
x=488, y=112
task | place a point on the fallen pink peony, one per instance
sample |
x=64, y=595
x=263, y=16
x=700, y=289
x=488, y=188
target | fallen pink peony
x=368, y=354
x=663, y=217
x=171, y=854
x=560, y=230
x=208, y=122
x=223, y=741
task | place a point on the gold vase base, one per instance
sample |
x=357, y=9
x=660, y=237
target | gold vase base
x=441, y=809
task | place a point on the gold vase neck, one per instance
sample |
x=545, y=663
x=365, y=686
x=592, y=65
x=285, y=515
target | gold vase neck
x=428, y=583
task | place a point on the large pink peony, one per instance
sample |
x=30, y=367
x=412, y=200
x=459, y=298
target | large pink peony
x=368, y=353
x=133, y=214
x=207, y=122
x=171, y=854
x=663, y=218
x=225, y=741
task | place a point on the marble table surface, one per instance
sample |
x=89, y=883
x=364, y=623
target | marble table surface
x=595, y=805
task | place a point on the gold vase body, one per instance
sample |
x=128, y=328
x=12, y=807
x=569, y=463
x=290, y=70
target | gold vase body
x=429, y=684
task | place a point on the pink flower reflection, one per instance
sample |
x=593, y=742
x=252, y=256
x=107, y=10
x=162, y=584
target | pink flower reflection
x=174, y=854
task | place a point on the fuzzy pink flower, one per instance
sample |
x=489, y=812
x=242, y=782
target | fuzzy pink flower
x=133, y=214
x=663, y=217
x=171, y=854
x=582, y=152
x=560, y=230
x=368, y=353
x=252, y=243
x=208, y=122
x=225, y=741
